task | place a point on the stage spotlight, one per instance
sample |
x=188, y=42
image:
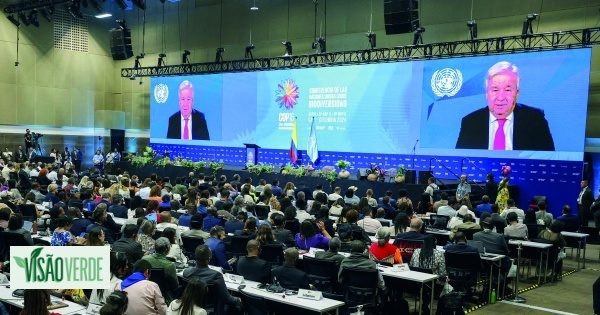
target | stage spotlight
x=121, y=4
x=249, y=49
x=24, y=18
x=46, y=14
x=472, y=29
x=418, y=36
x=14, y=21
x=96, y=6
x=219, y=55
x=254, y=7
x=33, y=18
x=140, y=4
x=372, y=39
x=138, y=64
x=288, y=47
x=527, y=28
x=161, y=60
x=184, y=57
x=319, y=44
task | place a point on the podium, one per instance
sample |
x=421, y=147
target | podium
x=251, y=153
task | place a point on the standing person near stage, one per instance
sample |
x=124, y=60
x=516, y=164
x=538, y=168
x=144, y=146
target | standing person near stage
x=76, y=158
x=28, y=141
x=584, y=203
x=98, y=160
x=503, y=194
x=111, y=159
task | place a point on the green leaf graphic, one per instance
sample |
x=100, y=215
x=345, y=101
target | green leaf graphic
x=20, y=262
x=35, y=253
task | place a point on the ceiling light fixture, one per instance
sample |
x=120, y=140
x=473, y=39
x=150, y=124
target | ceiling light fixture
x=33, y=18
x=24, y=18
x=254, y=7
x=103, y=15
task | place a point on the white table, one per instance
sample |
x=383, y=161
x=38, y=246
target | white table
x=542, y=247
x=44, y=239
x=414, y=276
x=119, y=221
x=320, y=306
x=6, y=296
x=581, y=239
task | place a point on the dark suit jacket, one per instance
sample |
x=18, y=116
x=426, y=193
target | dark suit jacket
x=215, y=278
x=25, y=183
x=306, y=191
x=493, y=242
x=129, y=247
x=491, y=190
x=465, y=248
x=254, y=269
x=284, y=236
x=233, y=225
x=572, y=223
x=530, y=130
x=290, y=277
x=199, y=127
x=586, y=200
x=118, y=211
x=79, y=226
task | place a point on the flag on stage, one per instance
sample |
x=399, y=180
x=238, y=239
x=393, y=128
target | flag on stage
x=294, y=145
x=311, y=149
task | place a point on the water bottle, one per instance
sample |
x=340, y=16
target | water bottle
x=493, y=299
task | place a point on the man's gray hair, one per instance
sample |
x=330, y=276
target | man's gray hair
x=105, y=195
x=162, y=245
x=186, y=85
x=116, y=198
x=301, y=195
x=503, y=66
x=334, y=244
x=337, y=189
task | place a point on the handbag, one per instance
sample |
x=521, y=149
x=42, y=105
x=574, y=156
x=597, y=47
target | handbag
x=447, y=289
x=512, y=272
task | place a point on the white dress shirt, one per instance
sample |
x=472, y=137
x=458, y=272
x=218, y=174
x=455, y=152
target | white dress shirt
x=189, y=126
x=508, y=131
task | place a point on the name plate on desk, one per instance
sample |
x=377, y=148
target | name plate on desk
x=234, y=278
x=401, y=267
x=310, y=294
x=215, y=268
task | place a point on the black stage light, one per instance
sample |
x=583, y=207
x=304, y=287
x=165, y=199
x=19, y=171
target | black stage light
x=24, y=18
x=219, y=55
x=288, y=47
x=249, y=49
x=418, y=36
x=472, y=29
x=33, y=18
x=13, y=20
x=184, y=57
x=372, y=39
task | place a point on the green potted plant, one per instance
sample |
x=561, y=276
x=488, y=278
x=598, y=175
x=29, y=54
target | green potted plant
x=288, y=169
x=215, y=167
x=187, y=164
x=198, y=165
x=400, y=174
x=163, y=161
x=329, y=175
x=343, y=165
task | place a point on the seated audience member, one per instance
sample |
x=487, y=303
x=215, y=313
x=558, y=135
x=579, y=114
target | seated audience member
x=139, y=212
x=383, y=250
x=61, y=235
x=159, y=260
x=15, y=225
x=116, y=304
x=460, y=245
x=5, y=213
x=493, y=242
x=498, y=221
x=332, y=252
x=265, y=236
x=337, y=206
x=144, y=295
x=514, y=228
x=287, y=275
x=175, y=251
x=468, y=223
x=165, y=222
x=448, y=210
x=485, y=206
x=95, y=237
x=152, y=211
x=117, y=208
x=425, y=205
x=572, y=223
x=99, y=217
x=358, y=259
x=347, y=231
x=249, y=229
x=428, y=257
x=414, y=232
x=217, y=247
x=203, y=255
x=192, y=299
x=236, y=224
x=350, y=196
x=80, y=223
x=369, y=224
x=148, y=229
x=301, y=213
x=118, y=267
x=253, y=268
x=380, y=216
x=440, y=203
x=35, y=302
x=196, y=228
x=543, y=215
x=211, y=219
x=280, y=233
x=128, y=245
x=184, y=219
x=308, y=236
x=553, y=234
x=510, y=204
x=401, y=223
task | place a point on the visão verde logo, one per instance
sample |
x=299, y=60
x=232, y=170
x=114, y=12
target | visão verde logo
x=60, y=267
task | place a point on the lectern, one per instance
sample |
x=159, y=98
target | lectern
x=251, y=153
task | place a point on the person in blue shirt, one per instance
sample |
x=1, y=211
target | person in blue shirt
x=186, y=218
x=51, y=196
x=277, y=191
x=486, y=206
x=211, y=219
x=88, y=201
x=236, y=224
x=117, y=208
x=217, y=247
x=202, y=205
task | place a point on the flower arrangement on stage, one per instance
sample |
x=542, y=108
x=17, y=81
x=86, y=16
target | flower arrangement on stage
x=329, y=175
x=506, y=170
x=288, y=169
x=147, y=156
x=216, y=166
x=287, y=94
x=342, y=164
x=199, y=165
x=164, y=161
x=401, y=170
x=259, y=168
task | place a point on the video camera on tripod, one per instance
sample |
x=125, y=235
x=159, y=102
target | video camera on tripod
x=36, y=136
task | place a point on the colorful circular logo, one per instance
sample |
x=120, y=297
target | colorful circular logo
x=287, y=94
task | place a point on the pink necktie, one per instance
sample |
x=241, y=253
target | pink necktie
x=500, y=137
x=186, y=132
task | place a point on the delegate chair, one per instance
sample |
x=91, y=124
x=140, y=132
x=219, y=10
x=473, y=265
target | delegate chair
x=272, y=253
x=360, y=287
x=407, y=248
x=190, y=244
x=253, y=305
x=462, y=269
x=262, y=212
x=322, y=273
x=237, y=246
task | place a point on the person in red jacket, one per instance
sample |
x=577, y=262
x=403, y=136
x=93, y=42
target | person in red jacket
x=383, y=250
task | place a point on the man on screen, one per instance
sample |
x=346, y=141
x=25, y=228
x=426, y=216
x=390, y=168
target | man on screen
x=187, y=123
x=504, y=124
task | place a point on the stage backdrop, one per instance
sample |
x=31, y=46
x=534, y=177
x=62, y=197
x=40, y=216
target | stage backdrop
x=378, y=113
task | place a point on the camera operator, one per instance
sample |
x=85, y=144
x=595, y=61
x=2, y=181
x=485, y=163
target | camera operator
x=28, y=141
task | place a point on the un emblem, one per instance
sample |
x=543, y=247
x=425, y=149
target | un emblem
x=161, y=93
x=446, y=82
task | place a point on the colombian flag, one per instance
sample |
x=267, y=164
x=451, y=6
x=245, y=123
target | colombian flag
x=294, y=145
